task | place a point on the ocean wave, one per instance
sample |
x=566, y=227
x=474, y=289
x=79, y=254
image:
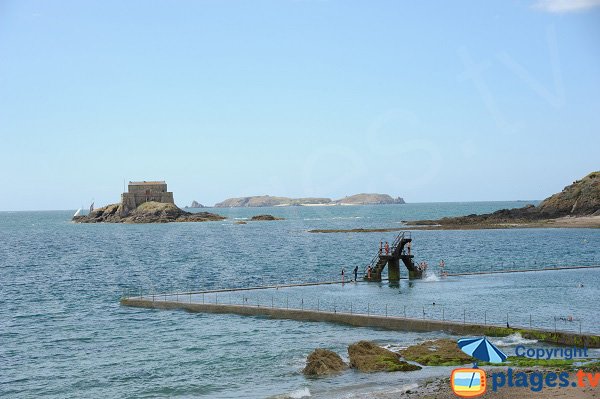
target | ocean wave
x=394, y=348
x=297, y=394
x=513, y=340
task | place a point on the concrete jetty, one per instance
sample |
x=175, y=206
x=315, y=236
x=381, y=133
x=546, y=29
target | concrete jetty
x=363, y=320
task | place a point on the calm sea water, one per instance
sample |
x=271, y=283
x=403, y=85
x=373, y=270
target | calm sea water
x=63, y=333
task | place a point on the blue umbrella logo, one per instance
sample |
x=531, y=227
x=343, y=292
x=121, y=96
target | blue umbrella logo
x=481, y=349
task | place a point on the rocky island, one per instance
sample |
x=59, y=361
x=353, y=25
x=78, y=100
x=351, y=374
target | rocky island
x=577, y=205
x=194, y=205
x=370, y=199
x=265, y=217
x=145, y=202
x=267, y=200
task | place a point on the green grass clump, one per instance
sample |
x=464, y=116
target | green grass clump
x=520, y=361
x=441, y=352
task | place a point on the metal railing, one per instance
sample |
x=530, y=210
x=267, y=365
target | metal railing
x=435, y=312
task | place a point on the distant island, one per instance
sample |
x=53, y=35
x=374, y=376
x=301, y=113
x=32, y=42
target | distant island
x=267, y=200
x=145, y=202
x=195, y=205
x=577, y=205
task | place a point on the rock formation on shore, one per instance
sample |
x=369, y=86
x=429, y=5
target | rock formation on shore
x=582, y=198
x=367, y=357
x=264, y=217
x=148, y=212
x=323, y=362
x=267, y=200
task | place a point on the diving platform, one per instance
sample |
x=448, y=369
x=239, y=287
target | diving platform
x=391, y=257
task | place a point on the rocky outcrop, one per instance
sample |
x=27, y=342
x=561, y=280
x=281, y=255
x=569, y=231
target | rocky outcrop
x=196, y=204
x=323, y=362
x=264, y=217
x=582, y=198
x=148, y=212
x=441, y=352
x=367, y=357
x=369, y=199
x=267, y=200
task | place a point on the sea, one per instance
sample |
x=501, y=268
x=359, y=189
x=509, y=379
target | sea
x=64, y=334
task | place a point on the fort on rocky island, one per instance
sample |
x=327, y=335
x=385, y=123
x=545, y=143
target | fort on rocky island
x=145, y=202
x=140, y=192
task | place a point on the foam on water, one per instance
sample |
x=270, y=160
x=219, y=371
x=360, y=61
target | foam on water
x=513, y=340
x=430, y=276
x=297, y=394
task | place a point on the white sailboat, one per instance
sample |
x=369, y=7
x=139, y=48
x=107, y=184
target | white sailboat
x=78, y=212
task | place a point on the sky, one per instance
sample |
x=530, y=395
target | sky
x=429, y=100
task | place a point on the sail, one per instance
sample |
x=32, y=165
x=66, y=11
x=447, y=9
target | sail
x=77, y=213
x=92, y=207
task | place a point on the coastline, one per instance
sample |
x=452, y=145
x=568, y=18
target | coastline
x=581, y=222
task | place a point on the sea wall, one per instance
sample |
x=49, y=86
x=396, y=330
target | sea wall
x=362, y=320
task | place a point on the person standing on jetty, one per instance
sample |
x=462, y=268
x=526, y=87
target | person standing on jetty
x=387, y=248
x=355, y=274
x=380, y=247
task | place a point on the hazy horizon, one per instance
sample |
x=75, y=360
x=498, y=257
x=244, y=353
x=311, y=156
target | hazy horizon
x=96, y=206
x=431, y=102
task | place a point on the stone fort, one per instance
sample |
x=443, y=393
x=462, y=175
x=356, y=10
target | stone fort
x=144, y=191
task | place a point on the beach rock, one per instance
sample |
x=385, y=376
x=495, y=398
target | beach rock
x=265, y=217
x=240, y=222
x=323, y=362
x=367, y=357
x=148, y=212
x=441, y=352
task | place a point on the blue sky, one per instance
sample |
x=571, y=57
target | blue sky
x=431, y=101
